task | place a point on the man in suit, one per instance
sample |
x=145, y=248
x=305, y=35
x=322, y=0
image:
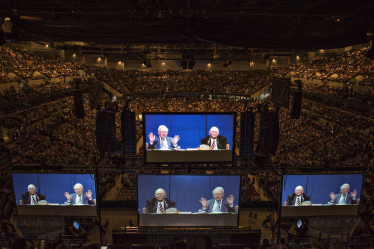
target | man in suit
x=297, y=198
x=31, y=197
x=218, y=204
x=79, y=197
x=162, y=141
x=159, y=204
x=344, y=197
x=214, y=140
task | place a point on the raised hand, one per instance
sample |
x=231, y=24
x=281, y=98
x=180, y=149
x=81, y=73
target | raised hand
x=176, y=139
x=354, y=194
x=89, y=194
x=333, y=196
x=285, y=203
x=204, y=202
x=230, y=200
x=68, y=196
x=227, y=146
x=151, y=138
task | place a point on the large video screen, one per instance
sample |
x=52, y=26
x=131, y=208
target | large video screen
x=55, y=194
x=318, y=195
x=188, y=200
x=189, y=137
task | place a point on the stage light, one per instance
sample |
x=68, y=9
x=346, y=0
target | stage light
x=46, y=45
x=163, y=63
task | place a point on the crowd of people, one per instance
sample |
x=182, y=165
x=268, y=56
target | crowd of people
x=343, y=68
x=307, y=141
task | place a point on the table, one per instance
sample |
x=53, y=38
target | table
x=57, y=210
x=326, y=210
x=212, y=219
x=184, y=156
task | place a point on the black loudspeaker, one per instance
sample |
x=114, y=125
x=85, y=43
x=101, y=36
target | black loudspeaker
x=78, y=100
x=184, y=64
x=191, y=64
x=269, y=134
x=128, y=133
x=106, y=132
x=247, y=123
x=296, y=105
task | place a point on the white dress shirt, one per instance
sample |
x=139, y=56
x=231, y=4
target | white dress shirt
x=216, y=205
x=77, y=201
x=343, y=199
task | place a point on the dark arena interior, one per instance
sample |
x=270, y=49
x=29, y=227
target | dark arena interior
x=250, y=110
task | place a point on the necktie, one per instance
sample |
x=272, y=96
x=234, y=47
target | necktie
x=161, y=209
x=79, y=199
x=298, y=201
x=213, y=144
x=165, y=143
x=33, y=200
x=342, y=200
x=218, y=208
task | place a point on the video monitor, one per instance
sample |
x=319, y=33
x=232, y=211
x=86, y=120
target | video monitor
x=55, y=194
x=188, y=200
x=321, y=195
x=192, y=137
x=299, y=224
x=76, y=225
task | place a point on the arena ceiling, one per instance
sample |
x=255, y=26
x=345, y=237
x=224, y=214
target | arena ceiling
x=268, y=24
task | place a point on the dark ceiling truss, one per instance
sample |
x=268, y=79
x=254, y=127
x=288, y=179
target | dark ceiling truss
x=265, y=24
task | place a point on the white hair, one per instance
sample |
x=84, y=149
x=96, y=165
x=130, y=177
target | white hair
x=218, y=188
x=78, y=184
x=345, y=184
x=160, y=189
x=214, y=128
x=163, y=127
x=299, y=187
x=31, y=185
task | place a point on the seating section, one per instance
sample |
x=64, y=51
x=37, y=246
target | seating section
x=326, y=134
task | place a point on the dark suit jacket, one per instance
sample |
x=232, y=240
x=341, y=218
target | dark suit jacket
x=348, y=200
x=26, y=197
x=85, y=199
x=156, y=143
x=225, y=207
x=291, y=199
x=221, y=141
x=151, y=205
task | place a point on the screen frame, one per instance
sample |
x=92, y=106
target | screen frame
x=330, y=173
x=57, y=173
x=239, y=203
x=144, y=114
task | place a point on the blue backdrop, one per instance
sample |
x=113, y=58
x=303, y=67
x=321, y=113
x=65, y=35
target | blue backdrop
x=53, y=186
x=186, y=191
x=191, y=128
x=319, y=187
